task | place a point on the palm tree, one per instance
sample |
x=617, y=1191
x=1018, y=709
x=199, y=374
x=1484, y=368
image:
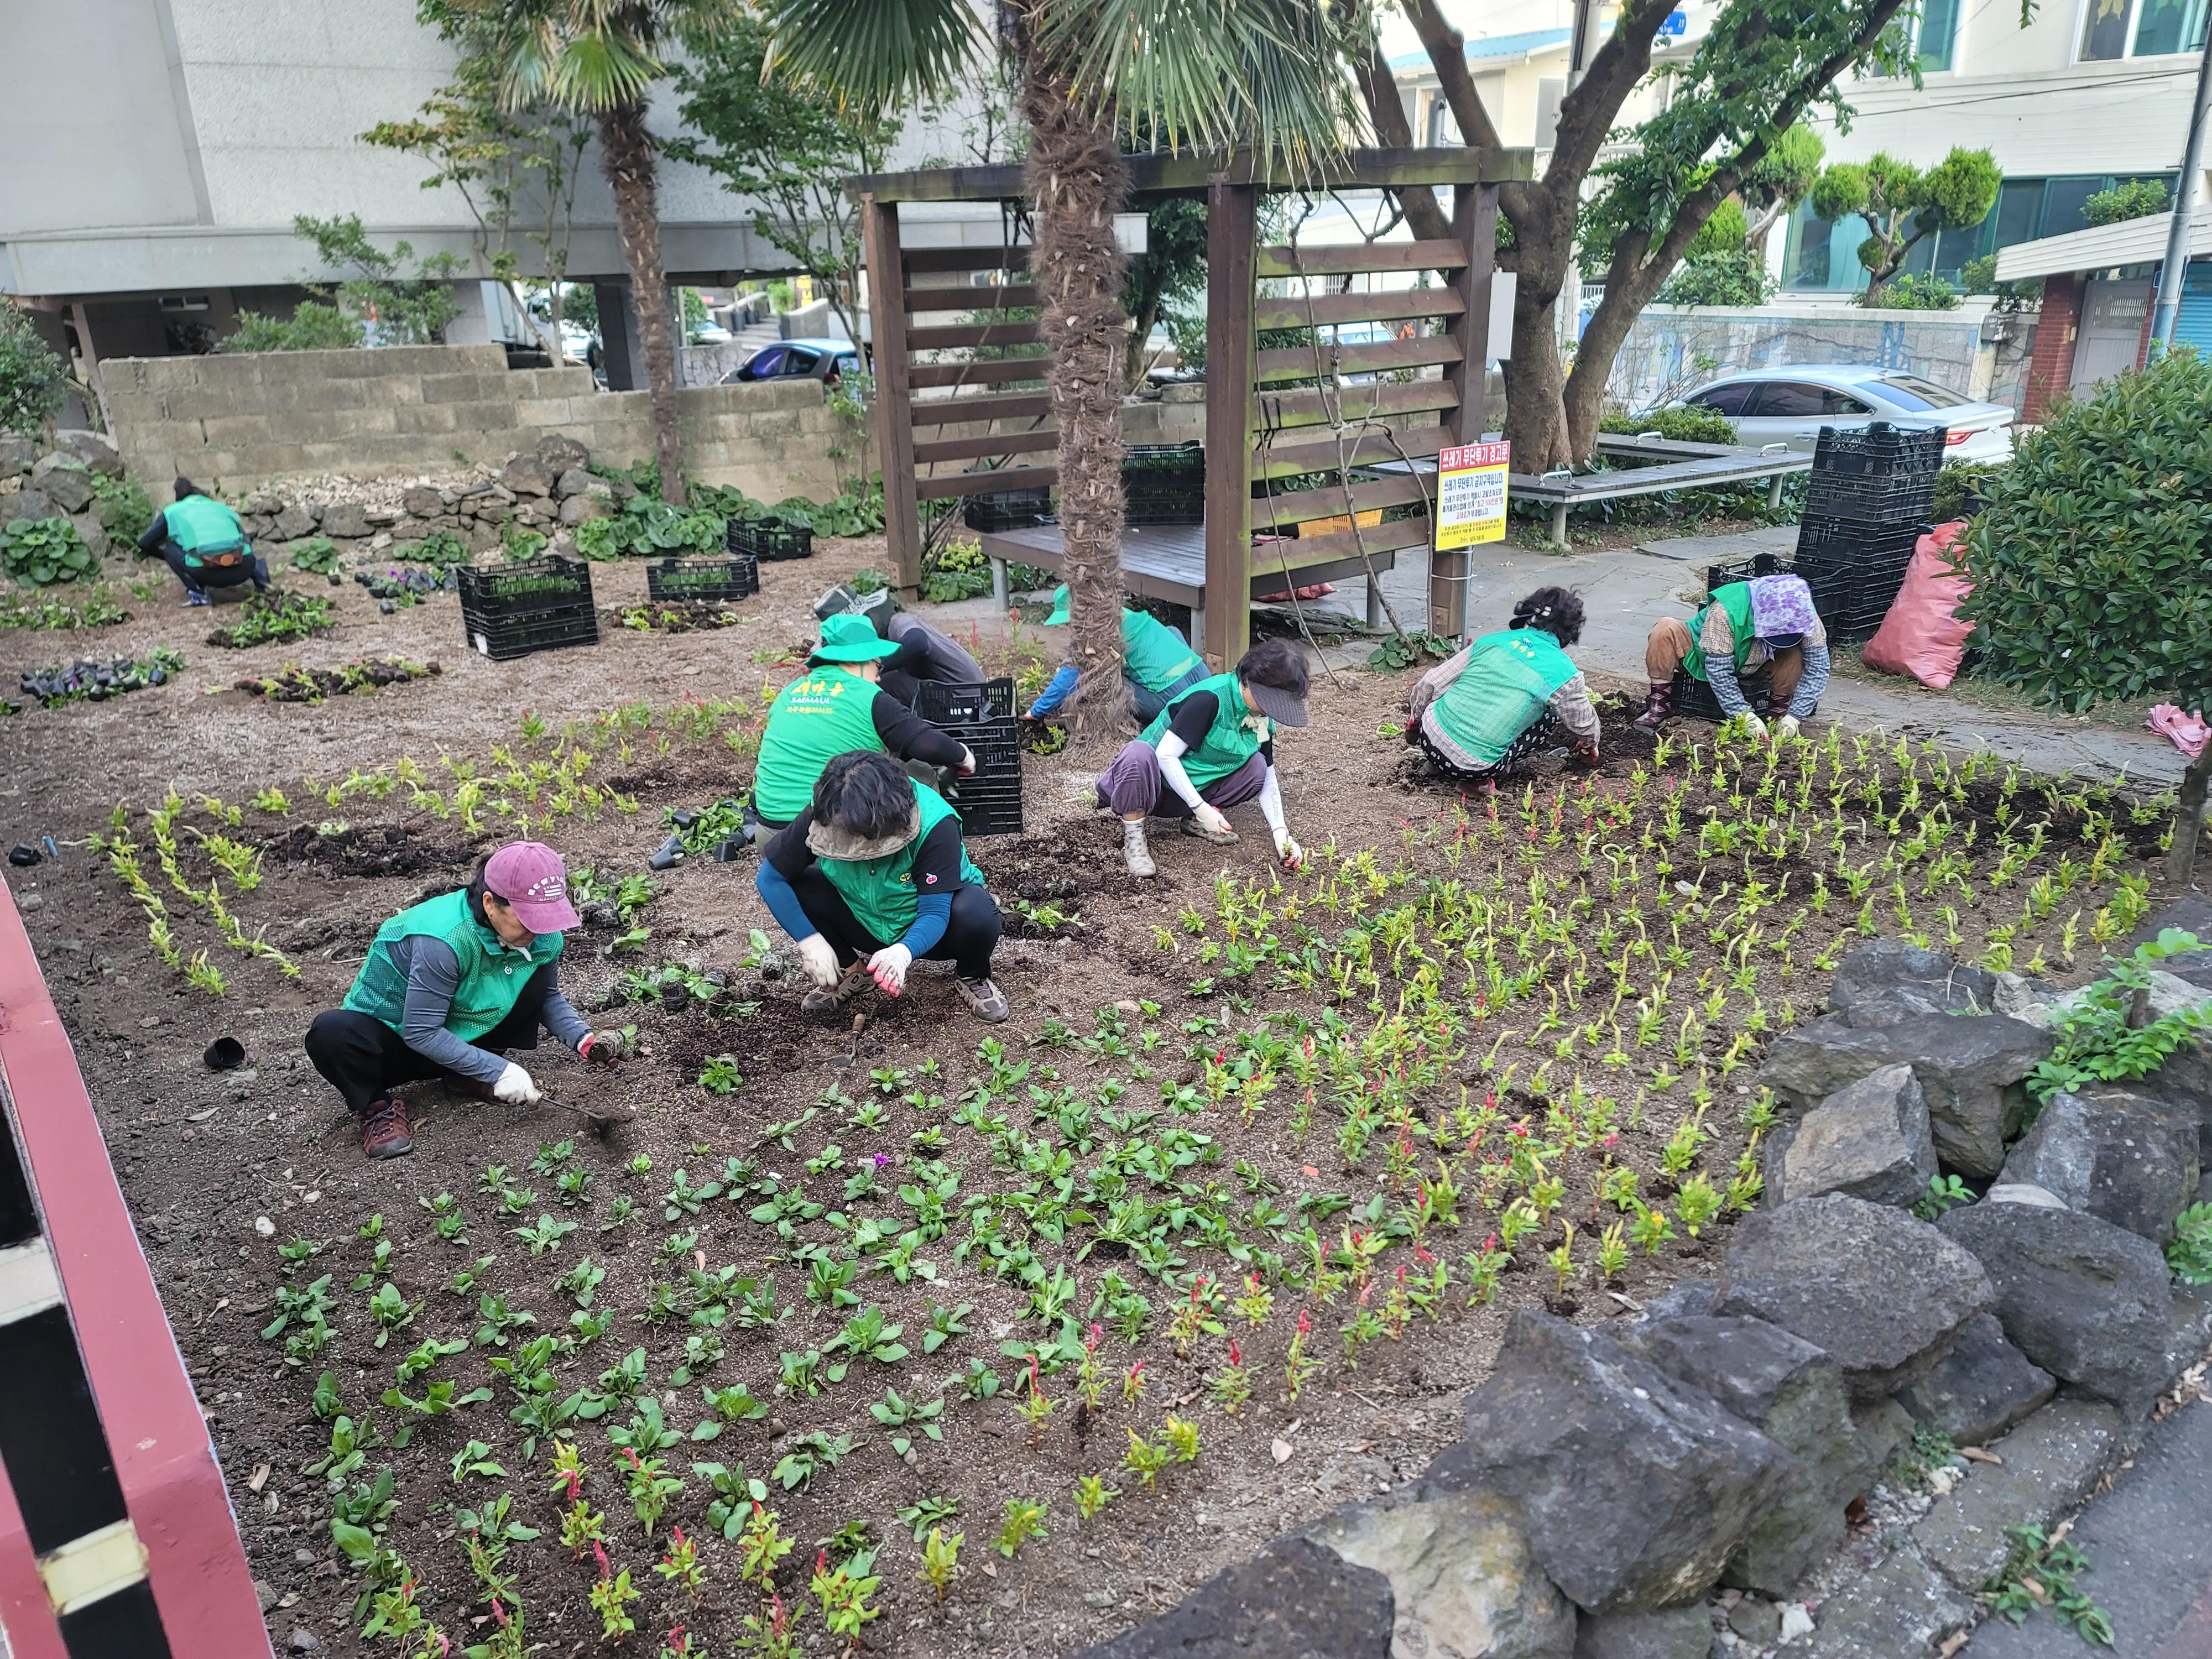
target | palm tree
x=1095, y=74
x=601, y=58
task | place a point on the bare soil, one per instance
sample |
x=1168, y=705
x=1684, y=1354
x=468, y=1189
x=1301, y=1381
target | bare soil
x=202, y=1157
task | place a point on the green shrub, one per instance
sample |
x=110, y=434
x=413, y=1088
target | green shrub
x=1962, y=488
x=316, y=554
x=1729, y=278
x=519, y=542
x=2091, y=564
x=123, y=506
x=33, y=376
x=953, y=571
x=2138, y=198
x=1911, y=293
x=39, y=552
x=312, y=326
x=1682, y=425
x=440, y=549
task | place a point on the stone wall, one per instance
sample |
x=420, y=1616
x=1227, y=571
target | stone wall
x=234, y=422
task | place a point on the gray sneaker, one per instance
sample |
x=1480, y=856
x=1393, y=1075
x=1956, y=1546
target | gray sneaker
x=818, y=1001
x=985, y=1000
x=1136, y=852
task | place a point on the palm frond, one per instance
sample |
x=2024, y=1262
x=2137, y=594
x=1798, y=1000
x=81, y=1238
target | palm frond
x=873, y=54
x=601, y=69
x=1273, y=75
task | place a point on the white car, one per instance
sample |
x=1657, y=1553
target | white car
x=1791, y=403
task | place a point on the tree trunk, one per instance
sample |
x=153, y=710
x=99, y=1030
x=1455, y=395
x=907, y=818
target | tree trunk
x=1077, y=181
x=627, y=158
x=2181, y=854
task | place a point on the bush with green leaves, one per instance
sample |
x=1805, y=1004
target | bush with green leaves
x=1962, y=488
x=317, y=555
x=33, y=376
x=122, y=506
x=2138, y=198
x=1911, y=293
x=1683, y=426
x=2097, y=1044
x=441, y=549
x=312, y=326
x=2190, y=1254
x=2091, y=564
x=39, y=552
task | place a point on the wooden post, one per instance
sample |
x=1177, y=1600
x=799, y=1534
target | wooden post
x=893, y=397
x=2188, y=818
x=1231, y=231
x=1474, y=227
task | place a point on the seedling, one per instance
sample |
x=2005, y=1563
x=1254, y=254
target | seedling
x=940, y=1560
x=1025, y=1521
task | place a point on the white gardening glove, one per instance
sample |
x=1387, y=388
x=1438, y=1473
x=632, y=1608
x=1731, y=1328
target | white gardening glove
x=1754, y=725
x=1785, y=728
x=515, y=1088
x=819, y=957
x=1288, y=850
x=1211, y=819
x=888, y=965
x=967, y=761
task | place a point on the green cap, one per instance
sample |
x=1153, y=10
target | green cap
x=852, y=639
x=1059, y=617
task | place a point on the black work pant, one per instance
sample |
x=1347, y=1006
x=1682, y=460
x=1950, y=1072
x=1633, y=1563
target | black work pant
x=970, y=936
x=197, y=579
x=364, y=1059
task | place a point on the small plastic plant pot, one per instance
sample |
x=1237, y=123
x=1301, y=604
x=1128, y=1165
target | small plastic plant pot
x=225, y=1054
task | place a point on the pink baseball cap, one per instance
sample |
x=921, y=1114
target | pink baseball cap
x=534, y=881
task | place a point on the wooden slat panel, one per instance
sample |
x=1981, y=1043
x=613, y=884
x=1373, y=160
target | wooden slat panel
x=985, y=484
x=1190, y=172
x=1347, y=544
x=935, y=259
x=1298, y=362
x=1321, y=309
x=979, y=449
x=1343, y=259
x=988, y=371
x=1007, y=296
x=959, y=412
x=1313, y=406
x=948, y=336
x=1370, y=448
x=1331, y=501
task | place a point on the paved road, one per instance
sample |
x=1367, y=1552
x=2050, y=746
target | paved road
x=2150, y=1542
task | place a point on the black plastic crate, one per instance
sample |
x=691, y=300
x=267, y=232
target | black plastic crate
x=1870, y=497
x=549, y=583
x=711, y=580
x=1008, y=510
x=990, y=802
x=1163, y=483
x=770, y=539
x=1743, y=570
x=503, y=638
x=941, y=703
x=1879, y=449
x=1694, y=698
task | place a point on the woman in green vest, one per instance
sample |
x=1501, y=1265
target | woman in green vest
x=447, y=987
x=874, y=874
x=1209, y=748
x=1759, y=636
x=1156, y=661
x=834, y=707
x=203, y=543
x=1502, y=697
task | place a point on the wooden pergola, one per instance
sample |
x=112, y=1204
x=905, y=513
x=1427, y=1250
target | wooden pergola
x=1302, y=417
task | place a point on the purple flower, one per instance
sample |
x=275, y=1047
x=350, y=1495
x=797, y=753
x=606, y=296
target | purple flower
x=882, y=1158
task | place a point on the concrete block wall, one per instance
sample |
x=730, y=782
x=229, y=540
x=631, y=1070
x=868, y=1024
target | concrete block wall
x=236, y=421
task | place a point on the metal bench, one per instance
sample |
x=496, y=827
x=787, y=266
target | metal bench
x=1674, y=464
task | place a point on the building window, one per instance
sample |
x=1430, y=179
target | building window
x=2138, y=28
x=1938, y=29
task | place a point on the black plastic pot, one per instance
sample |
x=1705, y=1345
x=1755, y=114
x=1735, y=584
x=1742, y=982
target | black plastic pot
x=225, y=1054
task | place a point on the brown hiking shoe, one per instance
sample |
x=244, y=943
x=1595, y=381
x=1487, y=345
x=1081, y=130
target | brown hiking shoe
x=985, y=1000
x=384, y=1129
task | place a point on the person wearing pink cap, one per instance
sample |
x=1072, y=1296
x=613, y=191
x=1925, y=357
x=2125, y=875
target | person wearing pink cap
x=447, y=987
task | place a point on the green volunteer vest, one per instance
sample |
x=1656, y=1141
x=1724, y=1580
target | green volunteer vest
x=1735, y=599
x=1228, y=742
x=1154, y=655
x=826, y=712
x=1504, y=691
x=492, y=976
x=880, y=891
x=203, y=527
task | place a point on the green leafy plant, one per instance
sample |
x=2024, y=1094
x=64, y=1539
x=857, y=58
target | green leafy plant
x=2189, y=1254
x=33, y=380
x=1944, y=1192
x=2097, y=1044
x=40, y=552
x=2039, y=1572
x=316, y=554
x=273, y=618
x=1025, y=1521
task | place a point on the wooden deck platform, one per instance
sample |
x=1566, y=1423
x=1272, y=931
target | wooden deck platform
x=1167, y=562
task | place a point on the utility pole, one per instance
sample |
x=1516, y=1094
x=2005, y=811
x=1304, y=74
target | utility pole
x=2174, y=273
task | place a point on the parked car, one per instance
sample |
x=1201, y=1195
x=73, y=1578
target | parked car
x=829, y=360
x=1789, y=405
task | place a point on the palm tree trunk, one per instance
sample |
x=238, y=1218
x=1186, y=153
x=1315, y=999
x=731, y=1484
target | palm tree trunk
x=1077, y=181
x=626, y=156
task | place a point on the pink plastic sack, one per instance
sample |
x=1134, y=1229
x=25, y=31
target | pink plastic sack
x=1923, y=637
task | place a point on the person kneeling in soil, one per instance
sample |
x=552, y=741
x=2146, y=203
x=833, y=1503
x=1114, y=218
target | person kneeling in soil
x=875, y=872
x=1763, y=626
x=1157, y=663
x=924, y=652
x=448, y=986
x=1212, y=747
x=834, y=709
x=1501, y=699
x=203, y=544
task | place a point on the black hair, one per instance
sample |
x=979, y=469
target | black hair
x=864, y=791
x=1277, y=664
x=477, y=889
x=183, y=487
x=1556, y=611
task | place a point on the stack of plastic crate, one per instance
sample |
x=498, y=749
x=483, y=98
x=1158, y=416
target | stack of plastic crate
x=1868, y=502
x=769, y=538
x=711, y=581
x=1164, y=483
x=540, y=605
x=981, y=715
x=1008, y=510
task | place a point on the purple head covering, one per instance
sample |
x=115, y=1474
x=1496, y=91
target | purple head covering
x=1780, y=605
